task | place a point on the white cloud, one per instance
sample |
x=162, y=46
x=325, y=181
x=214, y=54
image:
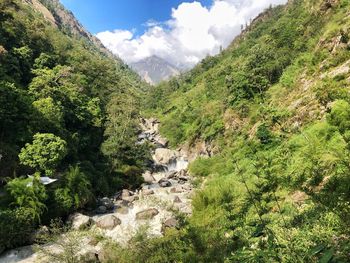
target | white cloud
x=193, y=32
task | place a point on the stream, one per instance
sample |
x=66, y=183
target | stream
x=167, y=188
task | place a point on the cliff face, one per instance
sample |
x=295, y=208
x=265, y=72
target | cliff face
x=56, y=14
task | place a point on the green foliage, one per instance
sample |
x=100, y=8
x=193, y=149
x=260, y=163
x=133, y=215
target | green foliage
x=45, y=153
x=16, y=227
x=275, y=107
x=29, y=194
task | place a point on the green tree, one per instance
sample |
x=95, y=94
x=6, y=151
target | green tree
x=45, y=153
x=29, y=194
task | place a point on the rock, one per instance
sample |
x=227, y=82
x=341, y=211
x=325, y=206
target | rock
x=148, y=177
x=171, y=175
x=183, y=173
x=89, y=256
x=147, y=214
x=131, y=199
x=80, y=221
x=164, y=183
x=175, y=190
x=108, y=222
x=125, y=193
x=163, y=142
x=122, y=210
x=101, y=209
x=183, y=178
x=164, y=156
x=108, y=203
x=177, y=199
x=148, y=192
x=169, y=223
x=121, y=203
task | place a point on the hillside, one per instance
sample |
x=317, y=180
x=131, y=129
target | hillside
x=271, y=114
x=154, y=69
x=68, y=111
x=264, y=127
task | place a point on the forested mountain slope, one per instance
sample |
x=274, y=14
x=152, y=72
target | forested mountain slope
x=274, y=111
x=68, y=111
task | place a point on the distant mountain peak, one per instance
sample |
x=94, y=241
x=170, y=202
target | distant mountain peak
x=154, y=69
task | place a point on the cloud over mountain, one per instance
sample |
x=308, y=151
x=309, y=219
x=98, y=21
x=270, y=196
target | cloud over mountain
x=193, y=32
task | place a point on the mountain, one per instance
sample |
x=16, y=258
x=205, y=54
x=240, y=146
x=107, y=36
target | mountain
x=154, y=69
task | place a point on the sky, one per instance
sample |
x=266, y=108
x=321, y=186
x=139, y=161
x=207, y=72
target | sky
x=180, y=31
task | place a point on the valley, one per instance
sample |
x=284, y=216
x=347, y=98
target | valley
x=243, y=158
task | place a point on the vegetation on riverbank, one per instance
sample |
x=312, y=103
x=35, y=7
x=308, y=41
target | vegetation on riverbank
x=275, y=108
x=61, y=99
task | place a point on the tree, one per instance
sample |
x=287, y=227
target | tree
x=29, y=194
x=78, y=186
x=51, y=113
x=45, y=153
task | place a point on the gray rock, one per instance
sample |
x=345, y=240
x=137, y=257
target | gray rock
x=169, y=223
x=79, y=221
x=175, y=190
x=164, y=156
x=125, y=193
x=147, y=214
x=101, y=209
x=121, y=203
x=131, y=199
x=108, y=203
x=108, y=222
x=148, y=192
x=171, y=175
x=164, y=183
x=122, y=210
x=148, y=177
x=177, y=199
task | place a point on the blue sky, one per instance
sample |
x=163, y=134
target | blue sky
x=183, y=31
x=102, y=15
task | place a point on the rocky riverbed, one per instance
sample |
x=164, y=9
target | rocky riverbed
x=167, y=190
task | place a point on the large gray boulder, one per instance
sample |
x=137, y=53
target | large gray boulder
x=164, y=183
x=147, y=214
x=164, y=156
x=108, y=203
x=79, y=221
x=148, y=177
x=108, y=222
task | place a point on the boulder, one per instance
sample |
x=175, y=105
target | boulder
x=183, y=173
x=122, y=210
x=125, y=193
x=147, y=214
x=164, y=183
x=101, y=209
x=169, y=223
x=121, y=203
x=171, y=175
x=108, y=222
x=148, y=192
x=79, y=221
x=148, y=177
x=164, y=156
x=177, y=199
x=108, y=203
x=175, y=190
x=131, y=199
